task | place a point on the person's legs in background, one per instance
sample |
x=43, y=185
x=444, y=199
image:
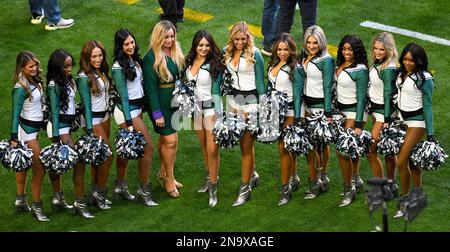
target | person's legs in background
x=269, y=25
x=308, y=12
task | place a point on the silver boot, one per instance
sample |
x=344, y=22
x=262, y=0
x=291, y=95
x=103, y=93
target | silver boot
x=81, y=209
x=204, y=187
x=21, y=204
x=93, y=189
x=294, y=181
x=325, y=181
x=358, y=183
x=36, y=209
x=245, y=191
x=59, y=202
x=315, y=187
x=121, y=190
x=254, y=179
x=144, y=193
x=401, y=206
x=212, y=188
x=98, y=198
x=286, y=194
x=349, y=195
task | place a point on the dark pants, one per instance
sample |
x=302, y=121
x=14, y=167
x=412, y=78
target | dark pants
x=269, y=22
x=308, y=12
x=173, y=10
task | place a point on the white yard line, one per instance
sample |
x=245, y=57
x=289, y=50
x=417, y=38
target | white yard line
x=405, y=32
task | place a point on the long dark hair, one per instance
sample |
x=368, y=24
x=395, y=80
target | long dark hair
x=420, y=58
x=123, y=59
x=55, y=72
x=85, y=65
x=213, y=57
x=359, y=51
x=292, y=60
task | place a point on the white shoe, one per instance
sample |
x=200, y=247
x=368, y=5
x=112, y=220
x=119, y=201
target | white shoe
x=63, y=23
x=38, y=19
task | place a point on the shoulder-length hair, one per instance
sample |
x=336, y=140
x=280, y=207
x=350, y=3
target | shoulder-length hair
x=388, y=42
x=420, y=58
x=20, y=77
x=55, y=72
x=292, y=60
x=248, y=49
x=213, y=56
x=359, y=51
x=86, y=67
x=157, y=37
x=319, y=35
x=121, y=57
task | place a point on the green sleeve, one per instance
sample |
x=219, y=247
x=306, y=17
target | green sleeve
x=53, y=94
x=299, y=79
x=85, y=93
x=18, y=98
x=121, y=84
x=327, y=75
x=388, y=76
x=151, y=81
x=427, y=98
x=362, y=79
x=215, y=92
x=259, y=73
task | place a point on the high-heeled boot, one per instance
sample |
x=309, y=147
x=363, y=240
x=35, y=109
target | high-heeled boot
x=245, y=191
x=325, y=181
x=294, y=181
x=21, y=204
x=81, y=209
x=121, y=190
x=315, y=187
x=98, y=198
x=212, y=189
x=254, y=179
x=286, y=194
x=93, y=189
x=204, y=187
x=358, y=183
x=401, y=206
x=349, y=195
x=144, y=193
x=36, y=209
x=59, y=202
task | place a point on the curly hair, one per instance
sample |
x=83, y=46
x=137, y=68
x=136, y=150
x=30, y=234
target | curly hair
x=55, y=72
x=359, y=51
x=213, y=57
x=120, y=56
x=248, y=49
x=420, y=58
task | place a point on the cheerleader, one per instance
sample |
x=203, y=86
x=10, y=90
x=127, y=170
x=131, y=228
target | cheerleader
x=318, y=66
x=382, y=78
x=415, y=91
x=127, y=76
x=352, y=80
x=284, y=76
x=246, y=65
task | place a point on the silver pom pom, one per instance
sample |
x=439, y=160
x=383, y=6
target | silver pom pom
x=320, y=131
x=296, y=140
x=337, y=126
x=226, y=86
x=76, y=123
x=19, y=157
x=391, y=140
x=365, y=141
x=58, y=158
x=228, y=130
x=130, y=144
x=92, y=150
x=113, y=100
x=4, y=153
x=184, y=95
x=347, y=144
x=428, y=155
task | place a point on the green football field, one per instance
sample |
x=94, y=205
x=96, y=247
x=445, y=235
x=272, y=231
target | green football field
x=100, y=19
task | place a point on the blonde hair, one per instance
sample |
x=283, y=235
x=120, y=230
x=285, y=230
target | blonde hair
x=389, y=44
x=22, y=60
x=156, y=42
x=248, y=49
x=317, y=33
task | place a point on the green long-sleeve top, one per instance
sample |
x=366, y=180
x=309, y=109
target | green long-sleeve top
x=85, y=94
x=380, y=90
x=352, y=90
x=158, y=91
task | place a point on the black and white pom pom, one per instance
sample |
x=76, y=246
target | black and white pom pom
x=4, y=153
x=252, y=123
x=92, y=150
x=391, y=140
x=76, y=123
x=58, y=158
x=296, y=140
x=365, y=141
x=347, y=144
x=130, y=144
x=320, y=131
x=337, y=126
x=113, y=100
x=184, y=94
x=227, y=82
x=19, y=157
x=228, y=130
x=428, y=155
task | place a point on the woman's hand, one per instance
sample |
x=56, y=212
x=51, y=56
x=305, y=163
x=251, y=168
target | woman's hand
x=13, y=143
x=385, y=125
x=358, y=131
x=160, y=122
